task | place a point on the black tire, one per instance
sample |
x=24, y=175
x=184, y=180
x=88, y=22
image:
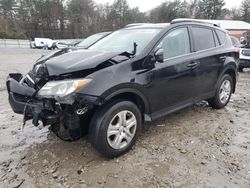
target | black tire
x=240, y=69
x=100, y=122
x=216, y=102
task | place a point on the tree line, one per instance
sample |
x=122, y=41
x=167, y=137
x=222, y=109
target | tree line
x=80, y=18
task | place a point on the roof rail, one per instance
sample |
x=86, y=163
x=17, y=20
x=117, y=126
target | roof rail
x=180, y=20
x=135, y=24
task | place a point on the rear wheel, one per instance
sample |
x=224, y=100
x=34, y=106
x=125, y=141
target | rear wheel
x=223, y=92
x=115, y=127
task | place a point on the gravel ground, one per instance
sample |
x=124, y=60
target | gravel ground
x=195, y=147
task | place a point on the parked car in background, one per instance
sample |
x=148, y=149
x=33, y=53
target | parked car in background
x=45, y=43
x=92, y=39
x=50, y=44
x=136, y=74
x=61, y=45
x=74, y=43
x=244, y=61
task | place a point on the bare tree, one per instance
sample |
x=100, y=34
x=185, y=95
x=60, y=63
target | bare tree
x=210, y=9
x=80, y=18
x=168, y=11
x=245, y=10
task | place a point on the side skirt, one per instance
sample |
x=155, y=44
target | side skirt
x=169, y=110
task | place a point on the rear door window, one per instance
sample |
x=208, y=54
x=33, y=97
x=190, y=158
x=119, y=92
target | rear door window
x=203, y=38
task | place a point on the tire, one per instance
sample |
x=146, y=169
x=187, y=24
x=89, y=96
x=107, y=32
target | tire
x=218, y=102
x=106, y=128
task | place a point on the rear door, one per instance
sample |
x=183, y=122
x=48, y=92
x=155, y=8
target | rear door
x=206, y=49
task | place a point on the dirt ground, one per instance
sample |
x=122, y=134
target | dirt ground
x=195, y=147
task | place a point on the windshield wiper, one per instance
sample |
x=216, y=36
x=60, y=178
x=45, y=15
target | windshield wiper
x=135, y=48
x=128, y=54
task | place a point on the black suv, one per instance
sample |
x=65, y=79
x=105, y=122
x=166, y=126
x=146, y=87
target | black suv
x=133, y=75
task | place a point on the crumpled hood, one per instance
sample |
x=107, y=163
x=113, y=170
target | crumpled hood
x=72, y=60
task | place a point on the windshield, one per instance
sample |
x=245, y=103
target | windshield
x=90, y=40
x=123, y=40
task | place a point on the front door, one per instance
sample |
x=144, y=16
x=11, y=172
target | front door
x=174, y=80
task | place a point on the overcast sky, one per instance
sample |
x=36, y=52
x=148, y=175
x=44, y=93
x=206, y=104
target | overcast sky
x=145, y=5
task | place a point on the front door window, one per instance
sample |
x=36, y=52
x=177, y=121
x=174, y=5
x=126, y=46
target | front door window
x=175, y=43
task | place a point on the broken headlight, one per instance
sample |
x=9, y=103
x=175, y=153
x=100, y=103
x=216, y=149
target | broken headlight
x=62, y=88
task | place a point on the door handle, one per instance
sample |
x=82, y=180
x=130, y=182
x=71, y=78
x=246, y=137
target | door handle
x=192, y=65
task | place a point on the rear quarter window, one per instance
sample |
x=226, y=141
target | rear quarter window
x=203, y=38
x=222, y=36
x=217, y=42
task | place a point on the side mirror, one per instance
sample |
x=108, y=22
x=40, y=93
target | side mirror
x=159, y=55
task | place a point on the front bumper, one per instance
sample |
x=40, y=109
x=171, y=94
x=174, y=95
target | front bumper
x=22, y=99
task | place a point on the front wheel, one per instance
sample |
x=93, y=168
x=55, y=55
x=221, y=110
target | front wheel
x=223, y=92
x=115, y=127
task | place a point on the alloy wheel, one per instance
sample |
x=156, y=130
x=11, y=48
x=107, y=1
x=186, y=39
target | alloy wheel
x=122, y=129
x=225, y=91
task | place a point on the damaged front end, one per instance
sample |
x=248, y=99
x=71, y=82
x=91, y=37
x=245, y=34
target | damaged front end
x=52, y=92
x=49, y=102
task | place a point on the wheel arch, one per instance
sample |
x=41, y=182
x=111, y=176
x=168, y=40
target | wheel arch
x=130, y=94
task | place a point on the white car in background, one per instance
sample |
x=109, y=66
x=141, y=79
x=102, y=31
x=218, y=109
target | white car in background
x=244, y=59
x=46, y=43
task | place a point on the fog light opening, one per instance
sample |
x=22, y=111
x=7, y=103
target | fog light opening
x=81, y=111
